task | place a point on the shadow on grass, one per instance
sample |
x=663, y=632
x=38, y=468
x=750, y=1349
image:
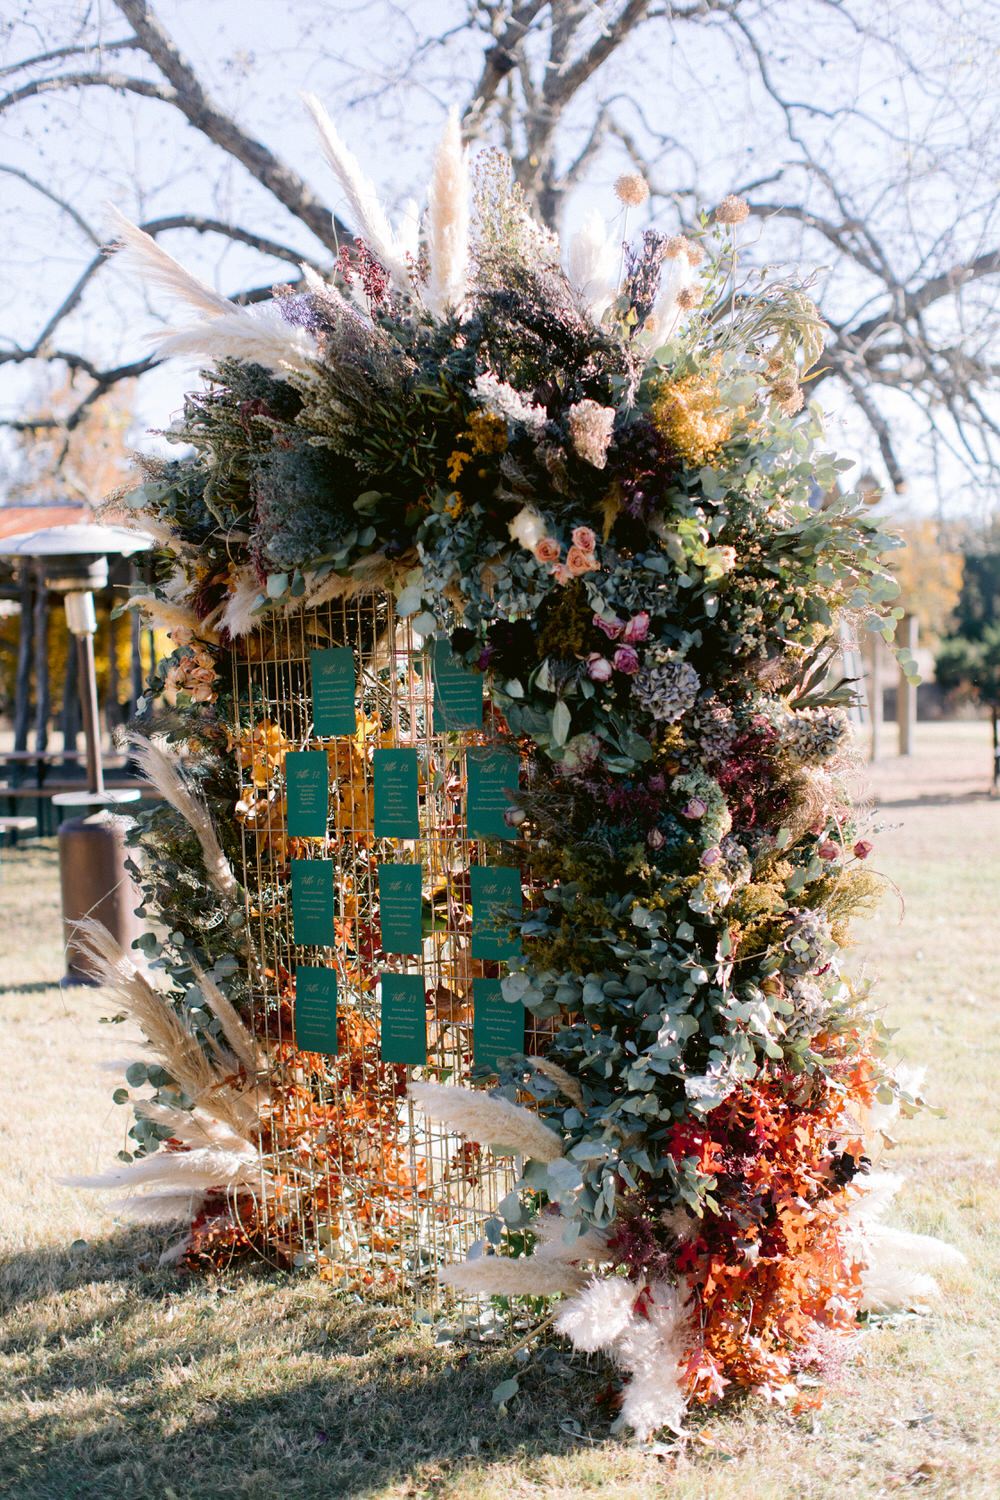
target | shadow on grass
x=117, y=1378
x=939, y=799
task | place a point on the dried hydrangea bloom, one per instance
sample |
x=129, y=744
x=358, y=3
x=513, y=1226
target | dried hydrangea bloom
x=666, y=687
x=631, y=189
x=732, y=210
x=787, y=392
x=590, y=427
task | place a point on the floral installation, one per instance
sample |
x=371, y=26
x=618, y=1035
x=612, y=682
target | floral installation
x=603, y=486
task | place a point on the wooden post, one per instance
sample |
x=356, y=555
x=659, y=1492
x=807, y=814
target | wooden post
x=41, y=669
x=22, y=691
x=995, y=715
x=112, y=707
x=906, y=693
x=69, y=719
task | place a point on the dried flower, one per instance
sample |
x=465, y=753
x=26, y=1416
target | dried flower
x=862, y=849
x=732, y=210
x=527, y=528
x=503, y=401
x=547, y=550
x=631, y=189
x=711, y=857
x=637, y=629
x=655, y=838
x=579, y=562
x=690, y=415
x=667, y=686
x=584, y=538
x=811, y=736
x=611, y=628
x=828, y=849
x=696, y=808
x=688, y=297
x=789, y=395
x=590, y=427
x=626, y=660
x=598, y=667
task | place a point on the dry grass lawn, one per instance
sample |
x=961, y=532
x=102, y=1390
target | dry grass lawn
x=118, y=1379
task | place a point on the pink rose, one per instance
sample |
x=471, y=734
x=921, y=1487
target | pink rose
x=584, y=538
x=547, y=550
x=637, y=629
x=578, y=561
x=560, y=573
x=696, y=808
x=828, y=850
x=862, y=849
x=655, y=839
x=611, y=628
x=626, y=660
x=711, y=857
x=598, y=667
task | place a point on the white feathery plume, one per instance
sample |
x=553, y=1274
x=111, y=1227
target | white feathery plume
x=181, y=1171
x=176, y=1047
x=651, y=1349
x=256, y=337
x=648, y=1344
x=141, y=251
x=370, y=218
x=239, y=616
x=196, y=1128
x=408, y=236
x=233, y=1029
x=896, y=1262
x=448, y=223
x=163, y=771
x=159, y=1208
x=598, y=1314
x=592, y=265
x=676, y=276
x=165, y=615
x=564, y=1081
x=501, y=1276
x=487, y=1121
x=548, y=1228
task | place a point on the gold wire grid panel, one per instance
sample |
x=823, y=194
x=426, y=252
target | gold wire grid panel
x=353, y=1183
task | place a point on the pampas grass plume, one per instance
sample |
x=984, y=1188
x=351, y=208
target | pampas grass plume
x=501, y=1276
x=448, y=223
x=163, y=771
x=370, y=218
x=487, y=1121
x=160, y=269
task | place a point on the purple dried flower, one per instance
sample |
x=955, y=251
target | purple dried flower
x=626, y=660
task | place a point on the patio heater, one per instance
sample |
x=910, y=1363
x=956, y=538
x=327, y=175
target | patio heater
x=73, y=562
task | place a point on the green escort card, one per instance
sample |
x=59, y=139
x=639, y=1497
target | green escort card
x=458, y=691
x=312, y=902
x=495, y=892
x=497, y=1024
x=333, y=691
x=307, y=788
x=400, y=908
x=491, y=774
x=397, y=813
x=316, y=1010
x=404, y=1020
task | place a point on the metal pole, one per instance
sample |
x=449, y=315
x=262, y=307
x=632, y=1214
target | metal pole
x=82, y=621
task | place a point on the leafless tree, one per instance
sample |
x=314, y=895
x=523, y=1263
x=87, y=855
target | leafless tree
x=863, y=130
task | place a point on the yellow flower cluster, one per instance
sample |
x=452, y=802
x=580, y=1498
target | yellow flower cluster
x=487, y=432
x=690, y=415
